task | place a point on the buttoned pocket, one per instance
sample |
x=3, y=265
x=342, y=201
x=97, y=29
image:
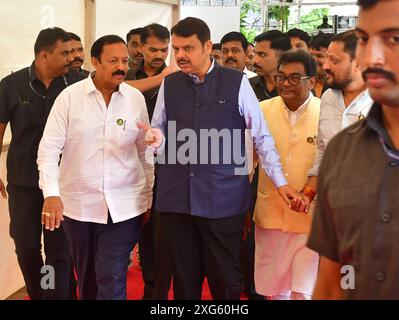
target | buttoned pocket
x=347, y=207
x=126, y=137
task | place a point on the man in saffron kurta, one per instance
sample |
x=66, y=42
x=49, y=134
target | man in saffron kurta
x=284, y=267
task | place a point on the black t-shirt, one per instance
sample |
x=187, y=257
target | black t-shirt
x=149, y=95
x=261, y=92
x=26, y=103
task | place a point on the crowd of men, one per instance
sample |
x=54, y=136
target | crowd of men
x=101, y=161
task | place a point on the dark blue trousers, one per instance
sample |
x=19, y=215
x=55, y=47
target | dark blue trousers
x=100, y=254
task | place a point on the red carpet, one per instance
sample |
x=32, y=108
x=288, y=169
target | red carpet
x=135, y=284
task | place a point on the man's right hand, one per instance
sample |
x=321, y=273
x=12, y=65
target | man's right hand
x=52, y=213
x=170, y=69
x=153, y=136
x=3, y=190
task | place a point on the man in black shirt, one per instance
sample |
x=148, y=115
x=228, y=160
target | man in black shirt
x=26, y=98
x=78, y=54
x=133, y=48
x=155, y=48
x=153, y=255
x=268, y=47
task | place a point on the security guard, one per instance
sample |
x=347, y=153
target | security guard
x=26, y=97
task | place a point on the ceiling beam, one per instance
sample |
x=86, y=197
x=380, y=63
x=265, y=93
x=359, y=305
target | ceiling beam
x=174, y=2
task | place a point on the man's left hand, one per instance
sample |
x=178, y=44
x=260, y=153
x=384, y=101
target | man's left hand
x=293, y=198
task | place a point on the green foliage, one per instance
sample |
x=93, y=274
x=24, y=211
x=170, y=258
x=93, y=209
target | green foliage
x=313, y=19
x=281, y=14
x=247, y=8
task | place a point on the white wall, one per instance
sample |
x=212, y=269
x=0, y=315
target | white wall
x=220, y=19
x=120, y=16
x=21, y=21
x=11, y=278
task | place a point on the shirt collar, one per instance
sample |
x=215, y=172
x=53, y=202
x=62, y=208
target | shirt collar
x=376, y=123
x=32, y=72
x=303, y=106
x=141, y=69
x=90, y=86
x=33, y=75
x=195, y=77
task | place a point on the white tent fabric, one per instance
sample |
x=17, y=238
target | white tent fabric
x=21, y=21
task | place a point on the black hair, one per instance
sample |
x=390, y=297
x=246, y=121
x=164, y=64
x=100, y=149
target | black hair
x=216, y=46
x=155, y=30
x=349, y=39
x=132, y=33
x=365, y=4
x=278, y=40
x=298, y=33
x=98, y=45
x=302, y=57
x=321, y=40
x=192, y=26
x=47, y=38
x=235, y=36
x=74, y=36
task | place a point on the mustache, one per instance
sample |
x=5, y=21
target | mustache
x=183, y=61
x=119, y=72
x=389, y=75
x=158, y=60
x=328, y=72
x=230, y=60
x=77, y=59
x=256, y=66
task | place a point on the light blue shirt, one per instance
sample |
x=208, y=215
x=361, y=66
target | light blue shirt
x=249, y=108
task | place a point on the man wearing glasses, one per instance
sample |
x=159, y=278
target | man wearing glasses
x=284, y=267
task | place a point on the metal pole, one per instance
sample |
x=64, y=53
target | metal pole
x=335, y=24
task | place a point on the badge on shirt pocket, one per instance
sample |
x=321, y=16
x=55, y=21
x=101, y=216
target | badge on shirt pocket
x=126, y=133
x=311, y=140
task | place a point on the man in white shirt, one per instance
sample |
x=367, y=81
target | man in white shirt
x=234, y=52
x=103, y=184
x=347, y=100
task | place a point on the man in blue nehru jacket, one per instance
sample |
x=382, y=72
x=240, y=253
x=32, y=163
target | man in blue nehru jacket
x=203, y=197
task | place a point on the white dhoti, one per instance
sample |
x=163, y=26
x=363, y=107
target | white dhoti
x=284, y=266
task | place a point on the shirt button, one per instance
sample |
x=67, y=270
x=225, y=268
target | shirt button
x=192, y=174
x=393, y=163
x=386, y=217
x=380, y=276
x=286, y=174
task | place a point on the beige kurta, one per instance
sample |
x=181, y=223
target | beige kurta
x=282, y=260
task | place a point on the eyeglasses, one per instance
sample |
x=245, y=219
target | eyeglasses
x=293, y=79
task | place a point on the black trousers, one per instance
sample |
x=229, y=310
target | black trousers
x=205, y=247
x=248, y=252
x=101, y=256
x=25, y=207
x=155, y=259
